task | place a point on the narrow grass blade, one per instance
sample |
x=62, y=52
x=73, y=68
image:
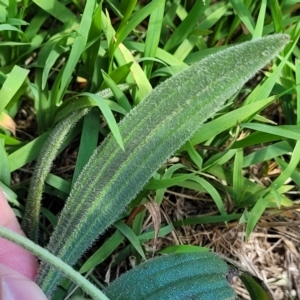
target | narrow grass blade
x=228, y=120
x=103, y=252
x=212, y=192
x=237, y=175
x=137, y=76
x=146, y=236
x=295, y=175
x=56, y=9
x=109, y=117
x=78, y=46
x=130, y=235
x=255, y=288
x=267, y=153
x=143, y=13
x=244, y=14
x=214, y=14
x=276, y=15
x=288, y=131
x=159, y=195
x=194, y=155
x=263, y=90
x=119, y=95
x=160, y=54
x=112, y=177
x=297, y=65
x=27, y=153
x=88, y=141
x=183, y=249
x=260, y=20
x=4, y=165
x=153, y=36
x=294, y=161
x=256, y=212
x=11, y=85
x=185, y=27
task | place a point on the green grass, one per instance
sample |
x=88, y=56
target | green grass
x=122, y=50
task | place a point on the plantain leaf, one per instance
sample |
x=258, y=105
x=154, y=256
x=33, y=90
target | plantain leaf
x=151, y=132
x=175, y=276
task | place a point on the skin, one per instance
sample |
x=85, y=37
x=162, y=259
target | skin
x=18, y=267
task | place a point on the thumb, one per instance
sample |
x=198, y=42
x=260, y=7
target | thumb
x=15, y=286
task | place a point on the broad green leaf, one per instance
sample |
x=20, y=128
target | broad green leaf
x=175, y=276
x=113, y=177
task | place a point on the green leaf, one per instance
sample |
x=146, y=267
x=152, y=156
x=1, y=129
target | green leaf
x=185, y=28
x=260, y=20
x=78, y=46
x=183, y=249
x=143, y=13
x=56, y=9
x=103, y=252
x=113, y=177
x=4, y=165
x=175, y=276
x=244, y=14
x=11, y=85
x=109, y=117
x=49, y=151
x=285, y=131
x=238, y=175
x=128, y=232
x=255, y=287
x=27, y=153
x=257, y=211
x=153, y=36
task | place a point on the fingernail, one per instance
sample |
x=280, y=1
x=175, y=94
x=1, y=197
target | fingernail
x=20, y=289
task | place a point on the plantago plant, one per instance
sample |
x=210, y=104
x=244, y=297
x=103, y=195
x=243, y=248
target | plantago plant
x=151, y=133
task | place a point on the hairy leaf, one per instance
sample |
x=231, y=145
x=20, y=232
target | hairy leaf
x=151, y=132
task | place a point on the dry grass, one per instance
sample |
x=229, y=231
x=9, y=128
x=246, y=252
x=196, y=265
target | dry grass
x=272, y=252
